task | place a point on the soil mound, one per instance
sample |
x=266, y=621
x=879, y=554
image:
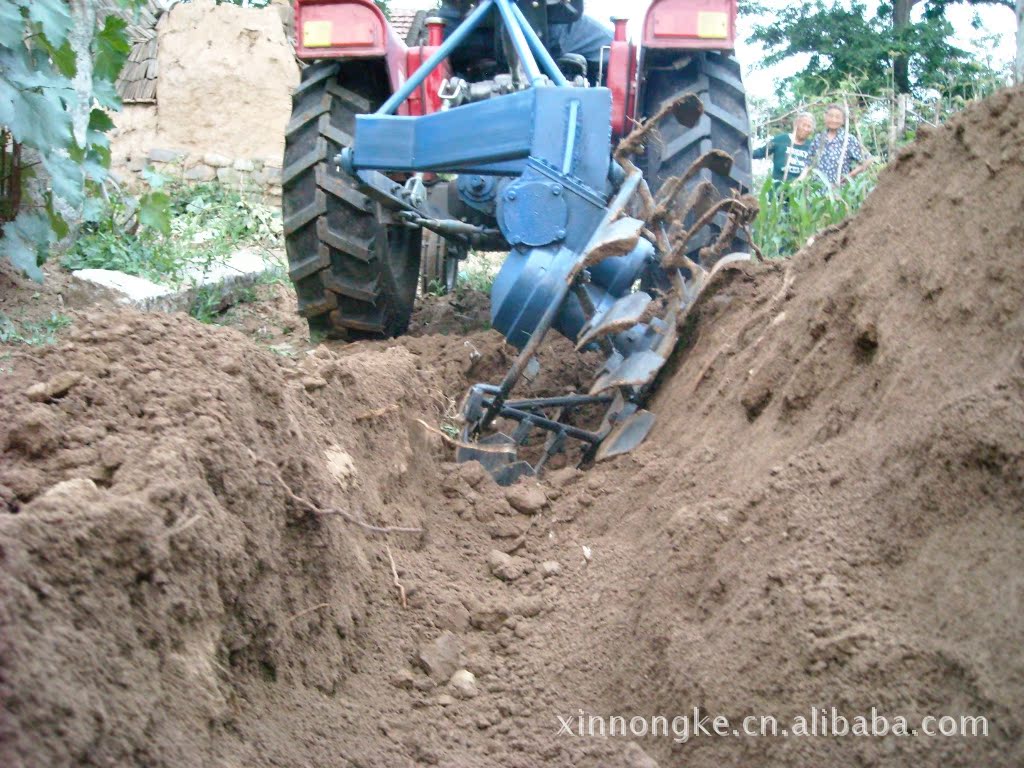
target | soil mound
x=829, y=511
x=157, y=553
x=827, y=515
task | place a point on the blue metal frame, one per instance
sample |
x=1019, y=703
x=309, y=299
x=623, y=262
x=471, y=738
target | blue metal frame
x=554, y=144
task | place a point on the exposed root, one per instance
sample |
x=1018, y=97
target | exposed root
x=310, y=506
x=397, y=582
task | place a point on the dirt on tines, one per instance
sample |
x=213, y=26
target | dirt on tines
x=827, y=514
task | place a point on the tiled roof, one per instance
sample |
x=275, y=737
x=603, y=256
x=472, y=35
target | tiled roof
x=137, y=82
x=408, y=24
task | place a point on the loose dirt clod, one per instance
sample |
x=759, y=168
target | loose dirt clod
x=826, y=514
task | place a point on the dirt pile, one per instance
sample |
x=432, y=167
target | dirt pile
x=154, y=555
x=827, y=514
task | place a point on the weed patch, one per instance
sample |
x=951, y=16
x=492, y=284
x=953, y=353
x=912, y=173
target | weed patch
x=33, y=333
x=208, y=223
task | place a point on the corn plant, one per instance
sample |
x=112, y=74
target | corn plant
x=793, y=212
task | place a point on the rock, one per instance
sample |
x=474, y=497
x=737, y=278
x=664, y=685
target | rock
x=634, y=757
x=490, y=616
x=463, y=683
x=272, y=175
x=508, y=567
x=229, y=176
x=404, y=680
x=137, y=164
x=527, y=498
x=67, y=495
x=550, y=568
x=247, y=166
x=167, y=155
x=445, y=700
x=201, y=173
x=341, y=466
x=55, y=387
x=454, y=618
x=489, y=507
x=216, y=161
x=312, y=383
x=424, y=685
x=473, y=473
x=561, y=478
x=504, y=529
x=441, y=658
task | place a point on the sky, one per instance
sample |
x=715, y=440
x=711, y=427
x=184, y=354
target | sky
x=760, y=81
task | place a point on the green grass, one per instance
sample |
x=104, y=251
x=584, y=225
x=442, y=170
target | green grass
x=208, y=223
x=478, y=272
x=33, y=334
x=793, y=213
x=208, y=303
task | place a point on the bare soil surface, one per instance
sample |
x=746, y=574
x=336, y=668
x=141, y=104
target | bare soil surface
x=828, y=513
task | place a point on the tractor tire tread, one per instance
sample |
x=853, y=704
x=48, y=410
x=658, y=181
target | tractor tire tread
x=354, y=275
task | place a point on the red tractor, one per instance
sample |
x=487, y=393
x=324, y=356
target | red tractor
x=499, y=132
x=355, y=274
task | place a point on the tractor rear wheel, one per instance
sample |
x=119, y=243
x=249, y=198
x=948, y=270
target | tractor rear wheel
x=439, y=264
x=355, y=275
x=716, y=79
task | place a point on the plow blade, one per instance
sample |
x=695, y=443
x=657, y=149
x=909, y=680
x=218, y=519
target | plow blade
x=626, y=435
x=497, y=454
x=637, y=370
x=621, y=316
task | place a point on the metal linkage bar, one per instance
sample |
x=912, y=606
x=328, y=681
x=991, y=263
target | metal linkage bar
x=550, y=425
x=520, y=42
x=447, y=47
x=567, y=401
x=537, y=46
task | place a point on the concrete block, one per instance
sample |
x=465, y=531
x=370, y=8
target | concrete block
x=230, y=278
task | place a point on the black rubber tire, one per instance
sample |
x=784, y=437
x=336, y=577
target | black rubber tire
x=439, y=264
x=717, y=79
x=355, y=277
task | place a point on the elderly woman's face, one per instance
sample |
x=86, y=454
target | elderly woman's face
x=834, y=119
x=804, y=128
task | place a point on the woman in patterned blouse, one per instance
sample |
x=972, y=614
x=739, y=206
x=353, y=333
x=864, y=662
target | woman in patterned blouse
x=835, y=152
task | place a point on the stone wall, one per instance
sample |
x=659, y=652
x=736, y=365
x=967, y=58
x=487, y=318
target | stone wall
x=226, y=74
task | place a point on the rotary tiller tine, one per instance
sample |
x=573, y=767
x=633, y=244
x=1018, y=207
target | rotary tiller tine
x=688, y=110
x=626, y=435
x=715, y=161
x=617, y=239
x=637, y=370
x=620, y=316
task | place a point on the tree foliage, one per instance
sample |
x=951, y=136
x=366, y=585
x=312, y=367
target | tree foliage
x=845, y=42
x=45, y=45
